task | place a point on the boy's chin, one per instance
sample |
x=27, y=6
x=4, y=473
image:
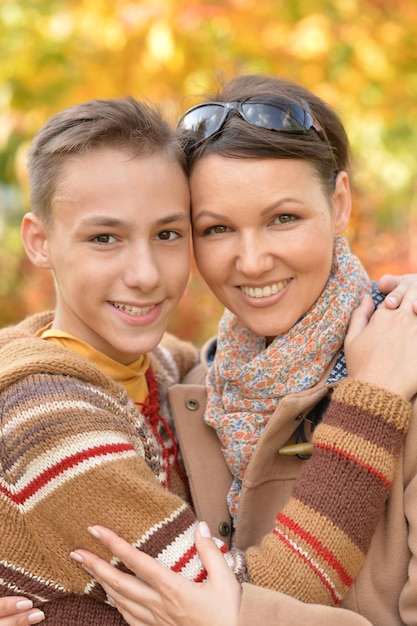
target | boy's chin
x=139, y=348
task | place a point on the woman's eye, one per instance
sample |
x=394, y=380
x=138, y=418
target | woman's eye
x=284, y=219
x=104, y=238
x=168, y=235
x=215, y=230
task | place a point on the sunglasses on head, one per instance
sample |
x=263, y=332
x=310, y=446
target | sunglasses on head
x=279, y=114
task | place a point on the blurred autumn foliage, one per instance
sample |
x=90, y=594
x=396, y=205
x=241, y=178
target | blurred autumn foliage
x=359, y=55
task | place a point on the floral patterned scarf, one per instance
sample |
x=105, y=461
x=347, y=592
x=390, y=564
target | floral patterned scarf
x=247, y=379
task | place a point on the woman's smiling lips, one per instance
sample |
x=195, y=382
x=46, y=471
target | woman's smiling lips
x=266, y=291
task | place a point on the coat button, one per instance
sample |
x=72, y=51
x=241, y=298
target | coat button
x=192, y=405
x=224, y=529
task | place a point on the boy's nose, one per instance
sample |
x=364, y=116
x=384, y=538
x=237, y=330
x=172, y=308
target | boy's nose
x=141, y=270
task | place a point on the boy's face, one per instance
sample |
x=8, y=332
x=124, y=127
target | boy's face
x=119, y=246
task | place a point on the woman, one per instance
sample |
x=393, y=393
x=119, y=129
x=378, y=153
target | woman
x=270, y=201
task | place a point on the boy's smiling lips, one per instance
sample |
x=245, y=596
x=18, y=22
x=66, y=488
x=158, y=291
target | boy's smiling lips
x=266, y=291
x=133, y=309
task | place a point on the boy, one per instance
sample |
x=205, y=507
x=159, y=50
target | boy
x=110, y=219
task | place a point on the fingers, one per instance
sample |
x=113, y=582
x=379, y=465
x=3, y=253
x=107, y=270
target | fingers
x=225, y=592
x=112, y=579
x=143, y=565
x=18, y=611
x=124, y=591
x=33, y=617
x=388, y=285
x=383, y=352
x=360, y=318
x=396, y=287
x=140, y=603
x=133, y=596
x=405, y=294
x=212, y=558
x=159, y=596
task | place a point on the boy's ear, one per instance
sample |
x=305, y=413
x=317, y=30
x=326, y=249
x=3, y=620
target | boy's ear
x=342, y=203
x=35, y=241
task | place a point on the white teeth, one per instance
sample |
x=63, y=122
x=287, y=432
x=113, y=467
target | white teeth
x=264, y=292
x=133, y=310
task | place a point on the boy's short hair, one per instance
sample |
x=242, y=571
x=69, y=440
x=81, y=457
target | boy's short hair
x=124, y=123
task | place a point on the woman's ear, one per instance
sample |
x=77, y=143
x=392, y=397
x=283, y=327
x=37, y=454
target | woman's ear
x=342, y=203
x=35, y=240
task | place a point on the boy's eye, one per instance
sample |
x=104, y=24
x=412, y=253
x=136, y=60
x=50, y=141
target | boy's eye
x=104, y=238
x=167, y=235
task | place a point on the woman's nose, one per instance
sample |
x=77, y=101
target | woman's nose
x=254, y=257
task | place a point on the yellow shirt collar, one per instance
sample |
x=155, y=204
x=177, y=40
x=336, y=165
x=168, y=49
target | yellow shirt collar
x=131, y=376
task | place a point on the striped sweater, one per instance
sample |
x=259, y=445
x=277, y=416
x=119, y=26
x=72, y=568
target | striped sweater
x=76, y=451
x=322, y=536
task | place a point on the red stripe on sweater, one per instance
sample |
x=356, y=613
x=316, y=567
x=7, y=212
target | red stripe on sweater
x=336, y=599
x=328, y=556
x=352, y=458
x=202, y=576
x=59, y=468
x=186, y=558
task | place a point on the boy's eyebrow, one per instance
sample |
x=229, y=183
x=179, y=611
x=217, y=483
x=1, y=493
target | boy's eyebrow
x=174, y=217
x=112, y=222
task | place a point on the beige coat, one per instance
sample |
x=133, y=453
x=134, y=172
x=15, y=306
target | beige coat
x=385, y=592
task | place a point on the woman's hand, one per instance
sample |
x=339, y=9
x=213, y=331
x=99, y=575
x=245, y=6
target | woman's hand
x=18, y=611
x=159, y=597
x=381, y=346
x=396, y=287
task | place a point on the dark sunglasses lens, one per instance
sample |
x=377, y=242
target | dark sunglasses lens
x=285, y=116
x=204, y=120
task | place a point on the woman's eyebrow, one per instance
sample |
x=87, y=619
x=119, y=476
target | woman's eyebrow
x=271, y=207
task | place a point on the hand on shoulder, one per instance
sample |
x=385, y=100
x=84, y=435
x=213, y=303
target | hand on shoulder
x=381, y=345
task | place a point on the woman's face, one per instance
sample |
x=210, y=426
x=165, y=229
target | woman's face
x=263, y=236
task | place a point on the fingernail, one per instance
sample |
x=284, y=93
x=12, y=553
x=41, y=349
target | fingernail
x=393, y=300
x=93, y=531
x=204, y=530
x=24, y=605
x=36, y=617
x=76, y=557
